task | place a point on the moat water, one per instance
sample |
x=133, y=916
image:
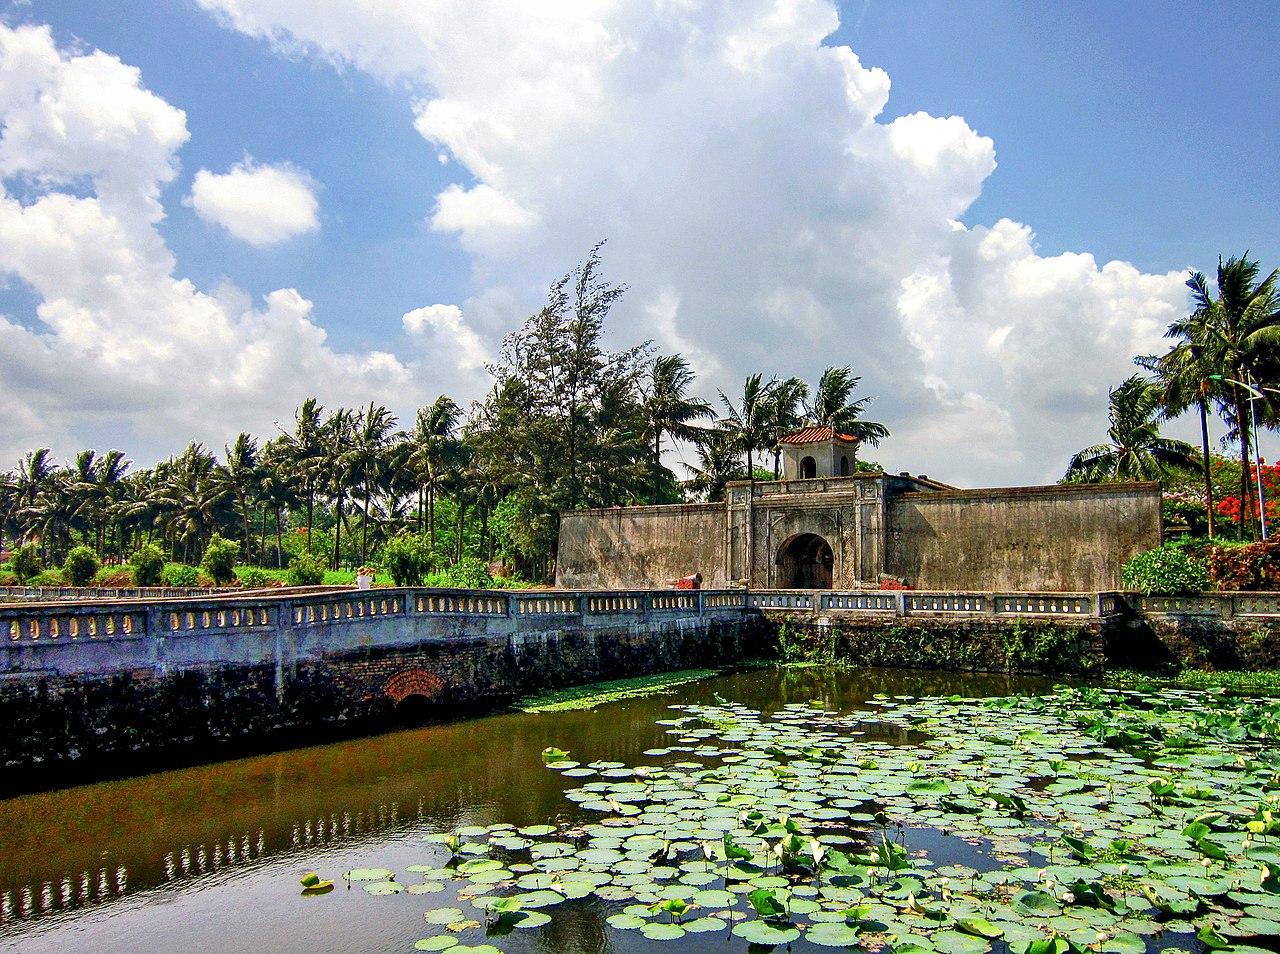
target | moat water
x=208, y=858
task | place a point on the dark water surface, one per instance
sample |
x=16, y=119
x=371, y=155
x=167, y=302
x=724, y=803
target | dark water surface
x=207, y=858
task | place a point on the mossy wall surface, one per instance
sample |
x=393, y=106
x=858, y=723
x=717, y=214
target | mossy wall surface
x=197, y=713
x=964, y=645
x=1193, y=642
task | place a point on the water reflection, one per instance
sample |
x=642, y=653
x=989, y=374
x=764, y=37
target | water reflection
x=177, y=832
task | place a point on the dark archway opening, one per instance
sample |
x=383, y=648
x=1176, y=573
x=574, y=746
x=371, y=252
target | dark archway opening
x=805, y=563
x=416, y=709
x=808, y=468
x=844, y=466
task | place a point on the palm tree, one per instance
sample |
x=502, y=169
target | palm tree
x=194, y=497
x=338, y=439
x=35, y=472
x=1136, y=450
x=785, y=415
x=8, y=508
x=307, y=451
x=244, y=476
x=374, y=428
x=1238, y=333
x=434, y=439
x=1187, y=381
x=750, y=425
x=833, y=406
x=668, y=410
x=718, y=463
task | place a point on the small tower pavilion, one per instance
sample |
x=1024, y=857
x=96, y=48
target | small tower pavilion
x=817, y=452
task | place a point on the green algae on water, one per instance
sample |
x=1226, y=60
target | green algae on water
x=599, y=693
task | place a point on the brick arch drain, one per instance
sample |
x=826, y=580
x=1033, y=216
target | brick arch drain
x=413, y=682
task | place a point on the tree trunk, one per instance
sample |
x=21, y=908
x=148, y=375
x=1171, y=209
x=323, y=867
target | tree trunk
x=364, y=524
x=1245, y=483
x=462, y=520
x=311, y=503
x=1208, y=475
x=248, y=533
x=279, y=560
x=657, y=461
x=337, y=536
x=431, y=517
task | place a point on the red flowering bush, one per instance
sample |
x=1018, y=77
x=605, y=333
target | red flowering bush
x=893, y=583
x=1252, y=567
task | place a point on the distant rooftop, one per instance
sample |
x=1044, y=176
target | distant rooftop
x=812, y=435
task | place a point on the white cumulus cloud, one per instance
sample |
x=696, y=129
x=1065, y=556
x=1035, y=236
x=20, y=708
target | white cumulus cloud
x=259, y=204
x=448, y=334
x=121, y=351
x=764, y=213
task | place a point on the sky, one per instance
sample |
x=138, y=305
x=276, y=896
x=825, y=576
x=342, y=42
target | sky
x=212, y=209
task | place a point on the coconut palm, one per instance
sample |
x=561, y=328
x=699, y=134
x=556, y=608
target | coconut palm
x=338, y=438
x=785, y=414
x=668, y=409
x=1237, y=333
x=1135, y=451
x=306, y=458
x=833, y=406
x=750, y=425
x=1187, y=380
x=435, y=442
x=373, y=430
x=718, y=463
x=244, y=477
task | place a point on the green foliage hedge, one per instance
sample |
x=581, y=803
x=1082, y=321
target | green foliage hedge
x=146, y=565
x=305, y=570
x=1168, y=570
x=179, y=574
x=25, y=563
x=255, y=578
x=80, y=566
x=467, y=574
x=220, y=559
x=408, y=558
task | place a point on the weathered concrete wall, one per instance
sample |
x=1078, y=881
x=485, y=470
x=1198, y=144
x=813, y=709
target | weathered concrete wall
x=1041, y=646
x=623, y=547
x=327, y=663
x=1061, y=538
x=1174, y=641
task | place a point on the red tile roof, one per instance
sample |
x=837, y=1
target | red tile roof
x=811, y=435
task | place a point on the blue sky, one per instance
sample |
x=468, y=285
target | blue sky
x=1142, y=132
x=1138, y=130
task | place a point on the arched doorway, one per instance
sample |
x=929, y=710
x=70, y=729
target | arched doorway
x=808, y=468
x=804, y=563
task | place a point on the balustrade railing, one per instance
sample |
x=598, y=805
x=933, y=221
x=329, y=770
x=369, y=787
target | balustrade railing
x=46, y=623
x=58, y=623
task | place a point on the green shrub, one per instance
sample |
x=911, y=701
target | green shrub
x=408, y=558
x=467, y=574
x=146, y=564
x=1248, y=566
x=50, y=577
x=220, y=559
x=255, y=578
x=305, y=570
x=80, y=566
x=179, y=574
x=1167, y=570
x=25, y=563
